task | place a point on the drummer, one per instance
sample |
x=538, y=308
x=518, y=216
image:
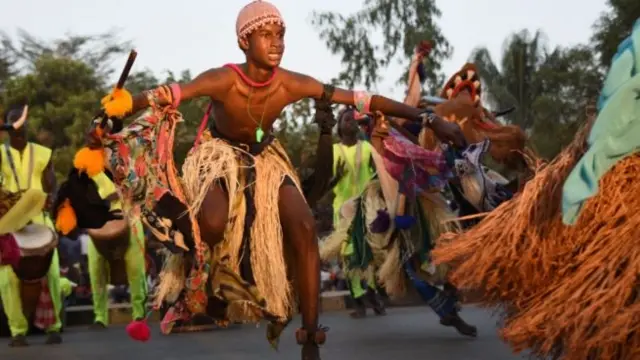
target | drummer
x=134, y=262
x=69, y=216
x=27, y=165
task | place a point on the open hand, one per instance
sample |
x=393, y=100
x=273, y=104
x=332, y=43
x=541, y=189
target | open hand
x=424, y=49
x=380, y=125
x=448, y=132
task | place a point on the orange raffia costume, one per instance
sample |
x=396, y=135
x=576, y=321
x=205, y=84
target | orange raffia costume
x=569, y=292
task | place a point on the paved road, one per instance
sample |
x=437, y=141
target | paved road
x=409, y=333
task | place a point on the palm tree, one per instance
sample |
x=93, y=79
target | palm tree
x=514, y=82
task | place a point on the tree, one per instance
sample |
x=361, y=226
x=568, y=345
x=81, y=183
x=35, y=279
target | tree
x=614, y=26
x=571, y=80
x=402, y=24
x=513, y=82
x=551, y=89
x=96, y=51
x=297, y=133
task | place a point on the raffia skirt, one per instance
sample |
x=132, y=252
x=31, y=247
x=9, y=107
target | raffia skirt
x=565, y=292
x=269, y=294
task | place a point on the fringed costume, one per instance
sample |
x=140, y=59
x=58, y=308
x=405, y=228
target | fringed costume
x=351, y=182
x=360, y=251
x=397, y=219
x=244, y=278
x=569, y=291
x=253, y=242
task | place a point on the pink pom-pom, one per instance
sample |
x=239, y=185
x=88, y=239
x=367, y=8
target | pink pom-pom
x=139, y=330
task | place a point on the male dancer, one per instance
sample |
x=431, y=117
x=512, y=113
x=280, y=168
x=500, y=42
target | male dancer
x=353, y=157
x=247, y=100
x=27, y=165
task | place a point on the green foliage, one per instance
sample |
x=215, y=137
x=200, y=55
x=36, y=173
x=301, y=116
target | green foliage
x=551, y=89
x=62, y=82
x=613, y=26
x=402, y=24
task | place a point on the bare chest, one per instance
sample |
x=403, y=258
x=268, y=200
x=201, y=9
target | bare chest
x=243, y=112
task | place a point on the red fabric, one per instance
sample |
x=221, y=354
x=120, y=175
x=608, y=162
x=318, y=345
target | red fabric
x=45, y=312
x=9, y=250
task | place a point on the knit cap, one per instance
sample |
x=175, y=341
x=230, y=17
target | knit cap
x=255, y=15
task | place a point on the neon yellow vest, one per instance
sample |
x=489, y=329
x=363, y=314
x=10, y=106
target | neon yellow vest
x=357, y=174
x=29, y=168
x=106, y=188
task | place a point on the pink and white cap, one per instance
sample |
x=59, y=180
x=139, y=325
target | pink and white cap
x=256, y=14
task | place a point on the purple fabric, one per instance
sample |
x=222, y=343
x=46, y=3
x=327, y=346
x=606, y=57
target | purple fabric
x=415, y=168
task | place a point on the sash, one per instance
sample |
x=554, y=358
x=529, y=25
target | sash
x=13, y=166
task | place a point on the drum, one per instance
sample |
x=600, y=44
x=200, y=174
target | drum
x=112, y=241
x=37, y=244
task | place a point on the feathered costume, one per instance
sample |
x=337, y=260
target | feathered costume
x=569, y=292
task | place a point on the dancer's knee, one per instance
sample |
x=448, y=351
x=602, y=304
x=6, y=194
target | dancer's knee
x=214, y=215
x=296, y=217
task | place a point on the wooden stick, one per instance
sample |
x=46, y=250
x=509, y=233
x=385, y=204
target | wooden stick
x=127, y=69
x=468, y=217
x=123, y=78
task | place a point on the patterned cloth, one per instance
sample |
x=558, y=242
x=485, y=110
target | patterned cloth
x=45, y=313
x=141, y=160
x=415, y=168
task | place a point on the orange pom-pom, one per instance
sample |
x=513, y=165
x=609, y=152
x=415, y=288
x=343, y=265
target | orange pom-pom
x=89, y=160
x=118, y=103
x=66, y=220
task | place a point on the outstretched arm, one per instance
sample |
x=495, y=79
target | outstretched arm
x=303, y=86
x=213, y=83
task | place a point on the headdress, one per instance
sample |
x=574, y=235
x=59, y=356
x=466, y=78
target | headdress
x=256, y=14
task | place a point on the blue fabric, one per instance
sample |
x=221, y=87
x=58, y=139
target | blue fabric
x=616, y=131
x=437, y=300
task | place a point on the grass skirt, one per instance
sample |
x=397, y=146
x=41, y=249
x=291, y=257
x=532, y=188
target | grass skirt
x=565, y=292
x=217, y=161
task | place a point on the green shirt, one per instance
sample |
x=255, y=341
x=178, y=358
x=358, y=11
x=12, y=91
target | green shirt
x=357, y=172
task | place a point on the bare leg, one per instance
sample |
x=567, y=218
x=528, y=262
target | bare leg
x=214, y=215
x=300, y=233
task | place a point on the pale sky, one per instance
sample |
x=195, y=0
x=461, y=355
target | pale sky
x=199, y=34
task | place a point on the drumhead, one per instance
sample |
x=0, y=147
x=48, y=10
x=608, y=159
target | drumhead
x=35, y=237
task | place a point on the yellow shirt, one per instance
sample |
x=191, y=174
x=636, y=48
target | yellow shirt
x=29, y=166
x=106, y=188
x=357, y=173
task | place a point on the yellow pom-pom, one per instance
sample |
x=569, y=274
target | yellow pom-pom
x=89, y=160
x=66, y=220
x=118, y=103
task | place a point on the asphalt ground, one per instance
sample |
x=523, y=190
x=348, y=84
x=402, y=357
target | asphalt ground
x=405, y=333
